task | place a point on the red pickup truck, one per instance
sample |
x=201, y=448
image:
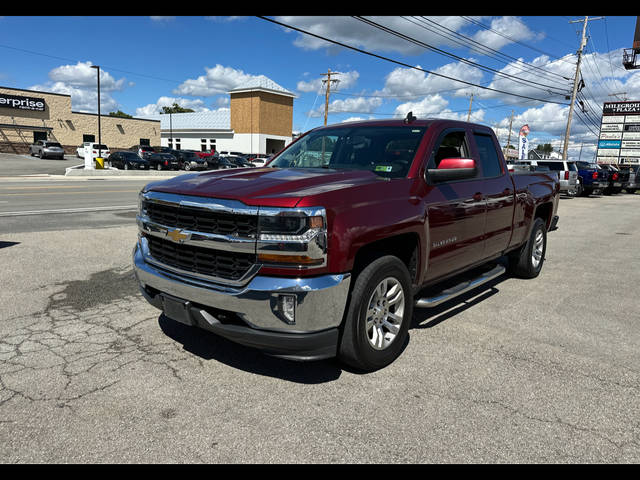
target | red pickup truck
x=325, y=251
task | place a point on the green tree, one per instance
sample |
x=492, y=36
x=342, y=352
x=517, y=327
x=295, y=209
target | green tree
x=175, y=108
x=120, y=114
x=546, y=148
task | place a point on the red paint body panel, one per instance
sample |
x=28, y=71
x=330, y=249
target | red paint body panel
x=457, y=224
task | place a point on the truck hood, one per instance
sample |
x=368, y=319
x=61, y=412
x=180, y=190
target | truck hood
x=279, y=187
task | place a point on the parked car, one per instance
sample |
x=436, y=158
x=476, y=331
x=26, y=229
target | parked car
x=190, y=160
x=589, y=179
x=226, y=153
x=96, y=149
x=260, y=160
x=219, y=163
x=316, y=258
x=127, y=160
x=614, y=182
x=633, y=171
x=567, y=174
x=162, y=161
x=240, y=162
x=144, y=151
x=45, y=148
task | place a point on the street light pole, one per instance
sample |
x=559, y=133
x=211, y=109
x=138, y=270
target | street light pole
x=99, y=132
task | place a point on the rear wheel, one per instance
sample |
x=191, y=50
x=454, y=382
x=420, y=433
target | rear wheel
x=159, y=166
x=527, y=261
x=579, y=188
x=378, y=316
x=631, y=190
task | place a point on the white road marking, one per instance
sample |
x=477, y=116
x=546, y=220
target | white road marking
x=68, y=210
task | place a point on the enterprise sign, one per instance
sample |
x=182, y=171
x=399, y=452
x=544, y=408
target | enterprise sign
x=22, y=103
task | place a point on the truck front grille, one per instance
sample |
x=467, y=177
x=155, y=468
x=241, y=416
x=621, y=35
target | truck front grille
x=202, y=220
x=204, y=261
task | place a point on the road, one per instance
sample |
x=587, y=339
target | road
x=518, y=371
x=30, y=205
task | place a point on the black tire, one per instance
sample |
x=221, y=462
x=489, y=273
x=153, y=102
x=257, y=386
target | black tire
x=41, y=155
x=126, y=166
x=587, y=191
x=159, y=167
x=631, y=190
x=355, y=347
x=522, y=262
x=579, y=188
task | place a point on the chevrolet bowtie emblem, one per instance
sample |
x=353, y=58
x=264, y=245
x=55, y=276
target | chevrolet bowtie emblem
x=177, y=236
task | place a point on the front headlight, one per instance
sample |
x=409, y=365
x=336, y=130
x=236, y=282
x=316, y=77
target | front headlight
x=292, y=237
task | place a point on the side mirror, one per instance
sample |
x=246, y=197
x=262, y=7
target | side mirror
x=453, y=169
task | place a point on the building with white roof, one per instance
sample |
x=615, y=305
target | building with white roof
x=259, y=120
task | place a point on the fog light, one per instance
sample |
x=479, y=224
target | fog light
x=287, y=308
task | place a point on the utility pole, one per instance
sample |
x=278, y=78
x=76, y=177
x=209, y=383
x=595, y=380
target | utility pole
x=583, y=42
x=470, y=103
x=326, y=98
x=509, y=137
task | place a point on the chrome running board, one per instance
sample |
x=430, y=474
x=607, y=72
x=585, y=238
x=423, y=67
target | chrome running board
x=449, y=293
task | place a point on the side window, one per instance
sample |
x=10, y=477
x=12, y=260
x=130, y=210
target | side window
x=489, y=159
x=452, y=145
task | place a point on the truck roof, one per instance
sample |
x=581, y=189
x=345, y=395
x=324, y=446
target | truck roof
x=425, y=122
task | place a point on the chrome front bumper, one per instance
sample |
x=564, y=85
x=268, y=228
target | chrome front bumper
x=320, y=305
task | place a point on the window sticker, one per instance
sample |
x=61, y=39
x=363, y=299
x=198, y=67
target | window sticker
x=383, y=168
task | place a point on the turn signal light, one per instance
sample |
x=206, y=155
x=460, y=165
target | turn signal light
x=288, y=259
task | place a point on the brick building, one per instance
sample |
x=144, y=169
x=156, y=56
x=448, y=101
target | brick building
x=259, y=120
x=28, y=115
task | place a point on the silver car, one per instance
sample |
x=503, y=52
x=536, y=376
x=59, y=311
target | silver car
x=567, y=174
x=45, y=148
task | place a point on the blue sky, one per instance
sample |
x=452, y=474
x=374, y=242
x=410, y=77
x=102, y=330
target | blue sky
x=149, y=62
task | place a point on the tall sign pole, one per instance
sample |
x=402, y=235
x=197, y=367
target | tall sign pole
x=583, y=42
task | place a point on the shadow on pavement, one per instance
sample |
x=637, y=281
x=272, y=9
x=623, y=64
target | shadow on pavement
x=210, y=346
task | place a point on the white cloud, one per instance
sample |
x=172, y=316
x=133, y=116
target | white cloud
x=82, y=75
x=81, y=83
x=162, y=19
x=350, y=105
x=346, y=80
x=509, y=29
x=156, y=108
x=217, y=80
x=82, y=99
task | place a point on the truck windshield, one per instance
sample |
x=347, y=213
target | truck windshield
x=384, y=150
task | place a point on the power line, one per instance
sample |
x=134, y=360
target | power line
x=464, y=41
x=381, y=57
x=511, y=39
x=513, y=78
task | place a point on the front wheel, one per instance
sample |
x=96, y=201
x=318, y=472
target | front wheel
x=526, y=262
x=378, y=316
x=159, y=167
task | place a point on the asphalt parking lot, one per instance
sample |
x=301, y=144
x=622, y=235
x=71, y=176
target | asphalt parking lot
x=542, y=370
x=24, y=164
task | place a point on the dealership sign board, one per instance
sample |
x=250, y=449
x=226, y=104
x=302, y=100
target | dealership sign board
x=22, y=103
x=619, y=140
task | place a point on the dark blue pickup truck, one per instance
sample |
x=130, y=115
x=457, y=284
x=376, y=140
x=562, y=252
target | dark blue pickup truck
x=591, y=178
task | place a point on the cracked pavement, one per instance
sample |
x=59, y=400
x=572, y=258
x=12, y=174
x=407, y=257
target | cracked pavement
x=522, y=371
